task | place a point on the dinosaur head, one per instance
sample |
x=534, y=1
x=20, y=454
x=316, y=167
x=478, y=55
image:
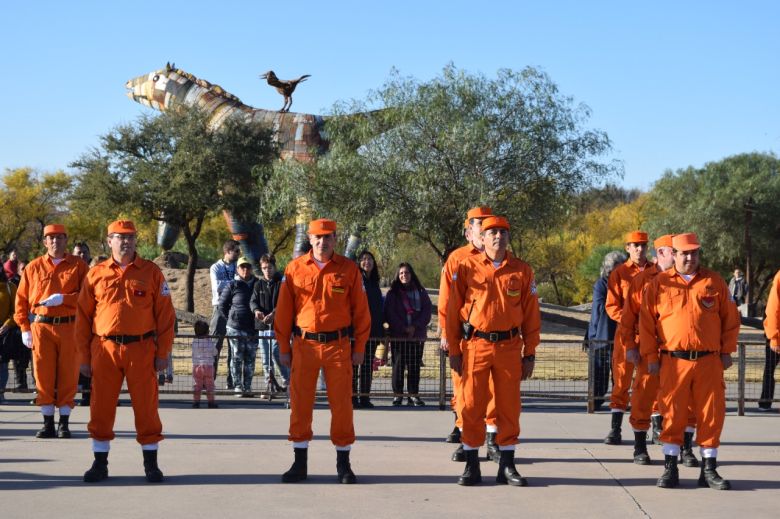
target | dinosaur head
x=153, y=89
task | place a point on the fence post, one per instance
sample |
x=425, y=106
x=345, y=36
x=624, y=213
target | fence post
x=741, y=366
x=443, y=361
x=591, y=378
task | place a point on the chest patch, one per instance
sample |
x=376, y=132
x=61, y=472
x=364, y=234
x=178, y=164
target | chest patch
x=707, y=302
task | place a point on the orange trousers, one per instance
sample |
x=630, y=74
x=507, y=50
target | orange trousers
x=335, y=358
x=696, y=386
x=56, y=363
x=456, y=391
x=111, y=364
x=501, y=362
x=622, y=371
x=644, y=399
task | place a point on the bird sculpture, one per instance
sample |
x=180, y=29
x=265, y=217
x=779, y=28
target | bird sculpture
x=284, y=86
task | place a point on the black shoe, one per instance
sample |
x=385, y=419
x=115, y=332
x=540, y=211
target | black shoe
x=507, y=473
x=409, y=402
x=355, y=403
x=641, y=457
x=671, y=476
x=709, y=477
x=47, y=431
x=298, y=470
x=62, y=427
x=213, y=405
x=343, y=468
x=196, y=405
x=85, y=399
x=614, y=437
x=152, y=471
x=459, y=454
x=161, y=379
x=454, y=436
x=365, y=403
x=471, y=474
x=657, y=422
x=397, y=401
x=418, y=401
x=492, y=448
x=687, y=457
x=99, y=469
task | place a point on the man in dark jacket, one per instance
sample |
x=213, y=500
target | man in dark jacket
x=263, y=305
x=234, y=305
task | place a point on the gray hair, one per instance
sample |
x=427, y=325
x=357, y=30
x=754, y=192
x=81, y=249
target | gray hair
x=612, y=260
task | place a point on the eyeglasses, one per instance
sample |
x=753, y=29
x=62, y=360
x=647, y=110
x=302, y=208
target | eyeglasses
x=124, y=237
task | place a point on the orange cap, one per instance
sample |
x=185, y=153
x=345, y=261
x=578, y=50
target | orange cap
x=663, y=241
x=685, y=242
x=479, y=212
x=495, y=221
x=121, y=227
x=322, y=226
x=54, y=228
x=636, y=237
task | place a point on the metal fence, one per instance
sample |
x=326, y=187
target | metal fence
x=564, y=370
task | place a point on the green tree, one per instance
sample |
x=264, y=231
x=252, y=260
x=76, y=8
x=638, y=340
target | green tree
x=440, y=147
x=174, y=167
x=721, y=202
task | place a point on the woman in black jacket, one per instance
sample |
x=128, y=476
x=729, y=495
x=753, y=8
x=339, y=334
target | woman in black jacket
x=363, y=374
x=234, y=306
x=263, y=304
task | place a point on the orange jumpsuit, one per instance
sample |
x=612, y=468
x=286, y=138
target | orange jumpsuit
x=622, y=370
x=694, y=316
x=772, y=321
x=453, y=260
x=493, y=300
x=54, y=352
x=321, y=301
x=135, y=301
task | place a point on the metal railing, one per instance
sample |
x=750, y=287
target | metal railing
x=565, y=370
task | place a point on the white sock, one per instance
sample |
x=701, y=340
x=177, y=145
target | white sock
x=47, y=410
x=690, y=429
x=671, y=449
x=149, y=447
x=709, y=452
x=491, y=428
x=618, y=410
x=469, y=448
x=506, y=448
x=301, y=445
x=65, y=410
x=101, y=446
x=344, y=448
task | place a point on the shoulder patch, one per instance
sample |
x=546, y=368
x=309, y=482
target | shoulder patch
x=164, y=290
x=454, y=276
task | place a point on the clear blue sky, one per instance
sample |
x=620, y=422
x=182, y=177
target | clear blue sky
x=672, y=83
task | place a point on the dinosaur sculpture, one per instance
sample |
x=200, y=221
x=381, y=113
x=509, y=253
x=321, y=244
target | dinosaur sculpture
x=299, y=136
x=286, y=87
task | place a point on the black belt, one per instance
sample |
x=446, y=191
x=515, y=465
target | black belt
x=53, y=320
x=686, y=354
x=496, y=336
x=127, y=339
x=323, y=337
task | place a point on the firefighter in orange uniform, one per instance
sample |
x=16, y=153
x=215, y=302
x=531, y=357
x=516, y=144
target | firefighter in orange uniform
x=689, y=324
x=493, y=304
x=125, y=305
x=617, y=293
x=321, y=303
x=473, y=228
x=48, y=290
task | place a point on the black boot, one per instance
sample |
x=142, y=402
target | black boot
x=459, y=454
x=298, y=471
x=153, y=472
x=62, y=427
x=99, y=469
x=687, y=457
x=471, y=474
x=614, y=437
x=507, y=473
x=47, y=431
x=492, y=448
x=454, y=436
x=641, y=457
x=709, y=477
x=343, y=469
x=671, y=477
x=658, y=424
x=86, y=398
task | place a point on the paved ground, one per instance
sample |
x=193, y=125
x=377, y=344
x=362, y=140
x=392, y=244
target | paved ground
x=226, y=463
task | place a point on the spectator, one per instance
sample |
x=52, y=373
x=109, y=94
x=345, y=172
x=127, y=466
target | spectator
x=263, y=305
x=738, y=288
x=16, y=278
x=11, y=266
x=221, y=273
x=363, y=373
x=8, y=330
x=601, y=330
x=203, y=352
x=234, y=305
x=408, y=312
x=81, y=249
